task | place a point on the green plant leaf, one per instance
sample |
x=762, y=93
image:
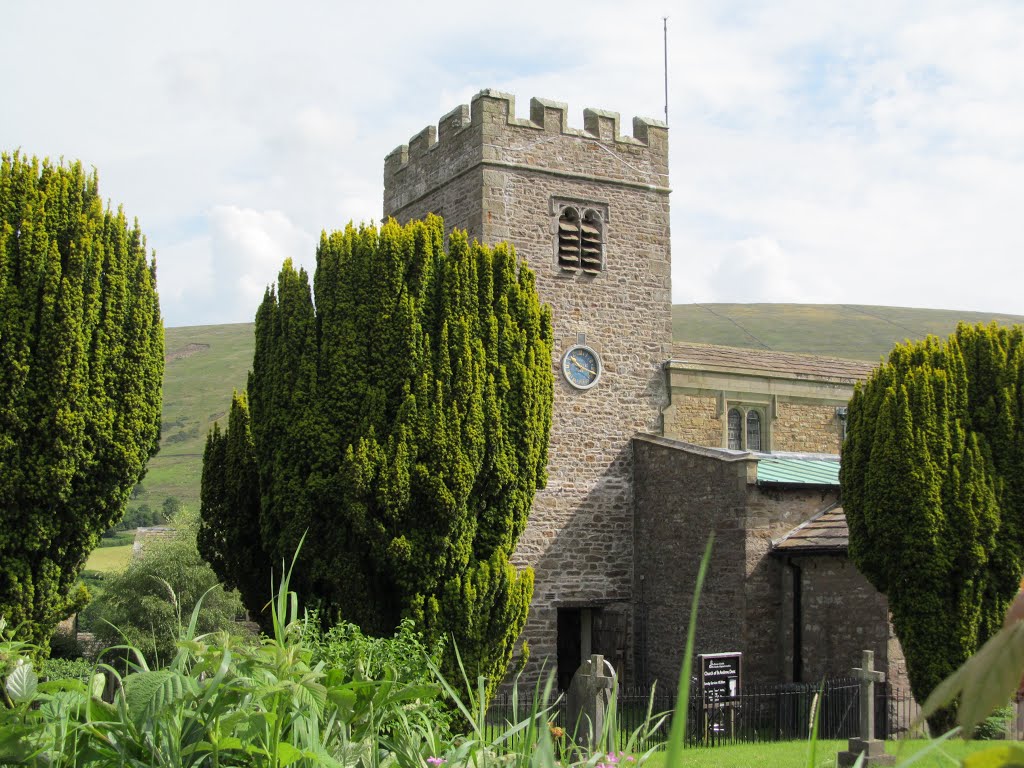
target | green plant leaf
x=287, y=753
x=98, y=684
x=15, y=746
x=22, y=683
x=1003, y=756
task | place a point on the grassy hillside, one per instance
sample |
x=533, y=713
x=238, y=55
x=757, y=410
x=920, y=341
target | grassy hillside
x=203, y=366
x=837, y=330
x=206, y=363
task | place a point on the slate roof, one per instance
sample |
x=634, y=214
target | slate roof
x=826, y=532
x=797, y=471
x=787, y=363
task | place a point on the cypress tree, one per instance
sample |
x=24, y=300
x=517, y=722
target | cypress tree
x=400, y=414
x=227, y=537
x=931, y=482
x=81, y=364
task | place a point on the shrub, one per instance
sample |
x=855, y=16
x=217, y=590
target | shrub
x=144, y=604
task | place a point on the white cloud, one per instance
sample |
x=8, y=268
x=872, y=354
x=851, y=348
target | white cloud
x=864, y=155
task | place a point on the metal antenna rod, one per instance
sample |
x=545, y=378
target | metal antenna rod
x=664, y=21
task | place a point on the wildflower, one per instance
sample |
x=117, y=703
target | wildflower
x=435, y=761
x=556, y=732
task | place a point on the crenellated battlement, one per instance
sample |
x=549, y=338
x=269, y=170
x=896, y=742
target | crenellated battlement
x=487, y=131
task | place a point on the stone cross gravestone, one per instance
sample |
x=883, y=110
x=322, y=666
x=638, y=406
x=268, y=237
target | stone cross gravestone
x=873, y=749
x=590, y=693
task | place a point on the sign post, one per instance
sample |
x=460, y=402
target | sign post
x=721, y=676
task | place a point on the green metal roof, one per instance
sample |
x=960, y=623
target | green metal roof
x=798, y=471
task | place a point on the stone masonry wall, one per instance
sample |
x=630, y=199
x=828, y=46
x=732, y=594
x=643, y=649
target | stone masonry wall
x=797, y=427
x=682, y=497
x=498, y=176
x=770, y=514
x=806, y=429
x=685, y=492
x=695, y=419
x=842, y=614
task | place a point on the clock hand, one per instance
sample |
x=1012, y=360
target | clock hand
x=582, y=367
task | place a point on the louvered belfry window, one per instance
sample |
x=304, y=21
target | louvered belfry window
x=580, y=239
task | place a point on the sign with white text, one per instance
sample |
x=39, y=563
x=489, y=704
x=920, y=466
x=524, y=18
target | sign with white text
x=720, y=675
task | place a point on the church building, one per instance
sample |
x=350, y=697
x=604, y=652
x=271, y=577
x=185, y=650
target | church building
x=654, y=445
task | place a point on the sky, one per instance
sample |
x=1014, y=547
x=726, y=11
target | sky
x=820, y=152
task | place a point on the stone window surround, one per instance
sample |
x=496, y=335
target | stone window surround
x=744, y=407
x=583, y=206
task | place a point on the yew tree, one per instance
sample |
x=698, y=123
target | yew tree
x=933, y=488
x=81, y=365
x=397, y=414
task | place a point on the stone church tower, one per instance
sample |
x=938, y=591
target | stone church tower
x=589, y=211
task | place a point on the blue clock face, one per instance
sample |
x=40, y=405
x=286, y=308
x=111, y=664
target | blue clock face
x=581, y=367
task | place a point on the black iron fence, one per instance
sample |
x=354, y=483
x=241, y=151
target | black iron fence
x=760, y=713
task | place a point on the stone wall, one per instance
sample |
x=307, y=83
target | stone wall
x=498, y=177
x=841, y=615
x=695, y=419
x=684, y=492
x=769, y=515
x=806, y=428
x=683, y=495
x=796, y=427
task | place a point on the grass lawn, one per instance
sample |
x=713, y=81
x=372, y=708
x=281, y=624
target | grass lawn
x=108, y=559
x=795, y=754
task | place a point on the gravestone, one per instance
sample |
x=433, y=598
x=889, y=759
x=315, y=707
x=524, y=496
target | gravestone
x=873, y=749
x=590, y=693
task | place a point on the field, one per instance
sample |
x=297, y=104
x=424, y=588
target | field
x=107, y=559
x=795, y=754
x=204, y=364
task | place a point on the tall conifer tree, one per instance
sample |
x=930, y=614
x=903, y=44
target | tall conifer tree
x=402, y=419
x=81, y=364
x=932, y=488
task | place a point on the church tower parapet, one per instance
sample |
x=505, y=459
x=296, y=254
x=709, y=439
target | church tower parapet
x=487, y=132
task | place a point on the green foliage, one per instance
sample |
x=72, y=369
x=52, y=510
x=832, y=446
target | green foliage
x=171, y=506
x=229, y=534
x=933, y=484
x=143, y=605
x=402, y=419
x=996, y=725
x=61, y=669
x=218, y=702
x=81, y=361
x=140, y=517
x=405, y=657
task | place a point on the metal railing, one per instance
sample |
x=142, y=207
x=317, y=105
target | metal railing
x=760, y=713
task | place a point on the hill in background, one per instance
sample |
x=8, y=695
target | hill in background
x=852, y=331
x=205, y=364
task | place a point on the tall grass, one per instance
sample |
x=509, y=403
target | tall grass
x=222, y=701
